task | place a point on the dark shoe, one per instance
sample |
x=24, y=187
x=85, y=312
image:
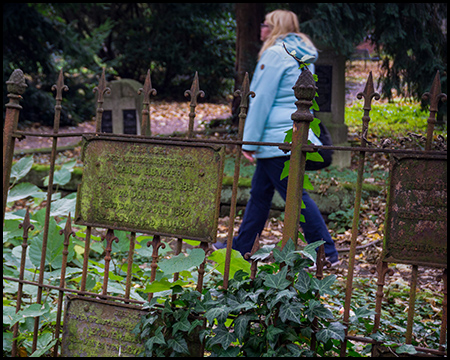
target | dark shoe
x=334, y=261
x=219, y=245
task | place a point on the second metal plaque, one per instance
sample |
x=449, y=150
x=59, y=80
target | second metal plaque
x=416, y=219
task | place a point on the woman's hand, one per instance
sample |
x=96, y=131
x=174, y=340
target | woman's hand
x=249, y=155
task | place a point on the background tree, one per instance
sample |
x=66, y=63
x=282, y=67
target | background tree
x=410, y=37
x=219, y=40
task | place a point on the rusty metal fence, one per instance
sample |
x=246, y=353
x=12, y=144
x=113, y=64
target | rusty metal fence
x=212, y=152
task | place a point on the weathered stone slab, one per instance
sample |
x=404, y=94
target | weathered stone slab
x=416, y=219
x=146, y=186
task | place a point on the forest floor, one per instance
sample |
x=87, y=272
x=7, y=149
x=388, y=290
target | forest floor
x=167, y=118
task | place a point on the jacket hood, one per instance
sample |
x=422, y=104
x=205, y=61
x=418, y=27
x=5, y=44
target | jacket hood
x=301, y=47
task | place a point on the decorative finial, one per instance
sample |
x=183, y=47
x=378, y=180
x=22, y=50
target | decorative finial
x=16, y=83
x=101, y=88
x=368, y=93
x=59, y=86
x=147, y=89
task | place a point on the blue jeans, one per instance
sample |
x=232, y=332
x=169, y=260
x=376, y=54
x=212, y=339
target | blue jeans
x=265, y=181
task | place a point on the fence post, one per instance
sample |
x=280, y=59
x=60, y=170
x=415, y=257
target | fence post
x=16, y=87
x=304, y=90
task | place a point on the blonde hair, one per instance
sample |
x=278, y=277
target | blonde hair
x=282, y=23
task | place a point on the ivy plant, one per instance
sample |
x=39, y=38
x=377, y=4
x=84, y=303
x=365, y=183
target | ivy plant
x=276, y=314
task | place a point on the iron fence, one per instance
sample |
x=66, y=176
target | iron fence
x=304, y=91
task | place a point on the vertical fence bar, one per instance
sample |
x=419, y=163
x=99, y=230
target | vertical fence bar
x=254, y=263
x=411, y=305
x=304, y=90
x=16, y=87
x=109, y=237
x=102, y=90
x=382, y=270
x=67, y=231
x=443, y=335
x=368, y=94
x=130, y=264
x=26, y=225
x=87, y=249
x=194, y=92
x=156, y=244
x=59, y=87
x=244, y=93
x=433, y=96
x=146, y=128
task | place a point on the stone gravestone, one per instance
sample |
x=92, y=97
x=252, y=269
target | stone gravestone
x=330, y=69
x=122, y=108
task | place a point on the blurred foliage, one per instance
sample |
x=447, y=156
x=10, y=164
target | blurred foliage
x=174, y=40
x=411, y=39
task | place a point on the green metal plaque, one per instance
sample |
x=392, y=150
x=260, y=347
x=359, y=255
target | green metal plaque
x=150, y=186
x=96, y=328
x=416, y=219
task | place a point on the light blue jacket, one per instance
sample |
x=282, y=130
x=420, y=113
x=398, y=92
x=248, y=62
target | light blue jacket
x=269, y=114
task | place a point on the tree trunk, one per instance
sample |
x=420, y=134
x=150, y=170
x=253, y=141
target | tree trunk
x=249, y=16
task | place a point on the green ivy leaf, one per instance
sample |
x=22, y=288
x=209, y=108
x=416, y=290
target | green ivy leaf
x=24, y=190
x=278, y=281
x=55, y=246
x=314, y=126
x=220, y=313
x=21, y=168
x=363, y=313
x=182, y=325
x=158, y=338
x=182, y=262
x=287, y=255
x=285, y=172
x=263, y=253
x=310, y=250
x=315, y=106
x=406, y=349
x=288, y=137
x=307, y=183
x=291, y=312
x=163, y=285
x=60, y=177
x=334, y=331
x=316, y=309
x=240, y=326
x=179, y=345
x=323, y=286
x=223, y=337
x=303, y=282
x=237, y=262
x=314, y=156
x=273, y=333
